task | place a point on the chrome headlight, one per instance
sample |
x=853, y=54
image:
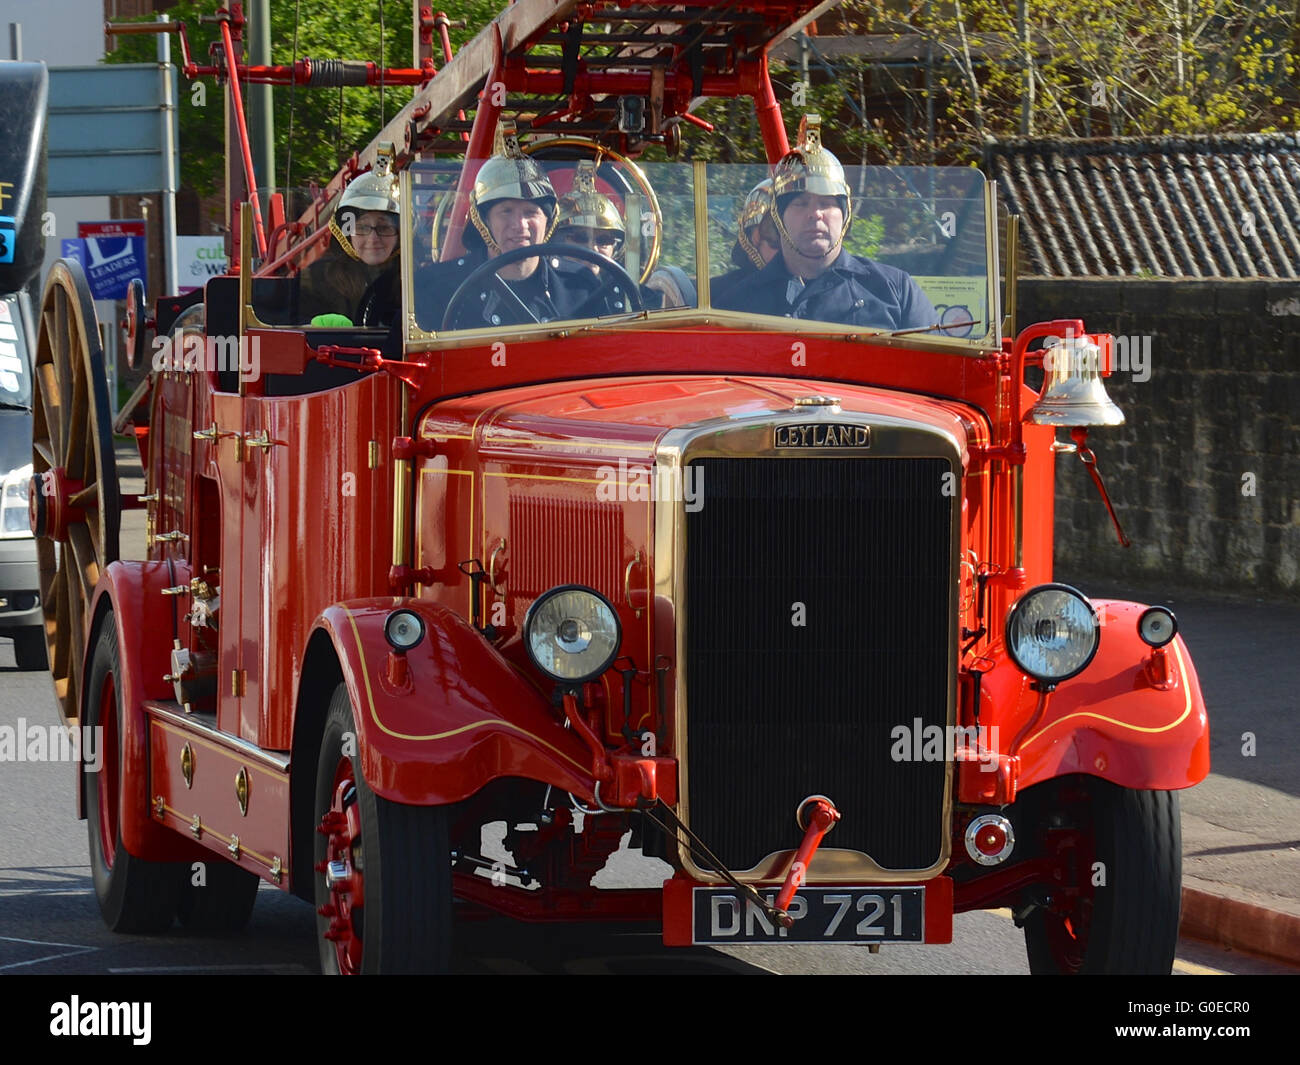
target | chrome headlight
x=572, y=634
x=1052, y=632
x=1157, y=626
x=403, y=629
x=14, y=523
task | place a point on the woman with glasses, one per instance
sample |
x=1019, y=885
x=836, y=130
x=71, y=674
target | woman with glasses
x=357, y=278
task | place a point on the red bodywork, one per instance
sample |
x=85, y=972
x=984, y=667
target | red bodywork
x=455, y=486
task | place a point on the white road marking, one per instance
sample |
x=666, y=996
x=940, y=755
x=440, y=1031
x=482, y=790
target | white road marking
x=76, y=948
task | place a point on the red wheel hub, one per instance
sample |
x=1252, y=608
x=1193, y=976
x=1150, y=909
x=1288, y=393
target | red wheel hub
x=48, y=511
x=343, y=871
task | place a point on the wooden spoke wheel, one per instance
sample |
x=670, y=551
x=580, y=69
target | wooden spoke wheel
x=74, y=500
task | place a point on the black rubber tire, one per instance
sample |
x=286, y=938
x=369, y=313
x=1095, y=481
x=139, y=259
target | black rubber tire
x=134, y=895
x=406, y=923
x=223, y=904
x=29, y=650
x=1134, y=917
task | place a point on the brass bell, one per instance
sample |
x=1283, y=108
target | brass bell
x=1074, y=394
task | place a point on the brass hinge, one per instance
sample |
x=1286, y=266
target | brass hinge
x=237, y=680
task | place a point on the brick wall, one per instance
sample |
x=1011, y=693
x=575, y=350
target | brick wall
x=1205, y=472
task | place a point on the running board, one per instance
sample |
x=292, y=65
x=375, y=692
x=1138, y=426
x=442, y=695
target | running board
x=230, y=796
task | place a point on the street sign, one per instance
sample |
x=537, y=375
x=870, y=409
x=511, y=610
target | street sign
x=197, y=259
x=112, y=254
x=106, y=129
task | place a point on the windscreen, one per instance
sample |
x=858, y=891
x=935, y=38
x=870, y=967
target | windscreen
x=899, y=250
x=621, y=246
x=905, y=251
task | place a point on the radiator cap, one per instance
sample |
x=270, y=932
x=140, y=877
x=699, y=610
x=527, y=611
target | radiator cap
x=817, y=401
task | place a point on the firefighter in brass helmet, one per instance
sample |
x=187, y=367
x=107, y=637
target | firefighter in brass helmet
x=512, y=206
x=757, y=241
x=356, y=279
x=588, y=218
x=814, y=278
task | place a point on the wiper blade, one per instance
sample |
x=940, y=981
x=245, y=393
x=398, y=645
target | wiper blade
x=6, y=405
x=942, y=330
x=606, y=320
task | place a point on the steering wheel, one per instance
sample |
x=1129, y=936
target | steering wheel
x=371, y=310
x=610, y=272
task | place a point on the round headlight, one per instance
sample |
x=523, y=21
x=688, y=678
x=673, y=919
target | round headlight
x=572, y=634
x=1052, y=632
x=1157, y=626
x=403, y=630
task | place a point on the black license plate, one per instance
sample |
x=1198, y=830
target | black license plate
x=821, y=915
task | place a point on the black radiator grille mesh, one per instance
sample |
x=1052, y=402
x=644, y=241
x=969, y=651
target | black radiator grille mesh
x=859, y=550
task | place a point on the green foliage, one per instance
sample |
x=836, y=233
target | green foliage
x=1126, y=67
x=1123, y=68
x=328, y=125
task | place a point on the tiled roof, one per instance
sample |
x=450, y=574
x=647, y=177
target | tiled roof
x=1214, y=206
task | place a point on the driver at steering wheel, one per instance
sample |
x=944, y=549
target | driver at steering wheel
x=512, y=206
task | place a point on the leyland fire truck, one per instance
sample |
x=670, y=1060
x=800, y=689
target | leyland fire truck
x=774, y=595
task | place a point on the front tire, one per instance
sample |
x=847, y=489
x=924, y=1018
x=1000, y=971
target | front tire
x=134, y=895
x=221, y=905
x=1124, y=918
x=383, y=869
x=29, y=650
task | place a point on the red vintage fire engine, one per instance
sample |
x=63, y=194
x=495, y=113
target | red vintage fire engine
x=585, y=543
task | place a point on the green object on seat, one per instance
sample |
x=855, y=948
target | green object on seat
x=332, y=321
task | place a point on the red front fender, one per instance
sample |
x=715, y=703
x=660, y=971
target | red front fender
x=465, y=717
x=1111, y=721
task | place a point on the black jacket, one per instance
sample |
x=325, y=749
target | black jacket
x=852, y=291
x=558, y=290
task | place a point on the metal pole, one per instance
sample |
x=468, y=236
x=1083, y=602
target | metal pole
x=168, y=192
x=16, y=40
x=261, y=118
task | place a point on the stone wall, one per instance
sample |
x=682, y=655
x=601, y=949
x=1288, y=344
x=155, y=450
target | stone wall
x=1205, y=472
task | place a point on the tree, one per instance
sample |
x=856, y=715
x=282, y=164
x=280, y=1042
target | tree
x=316, y=129
x=1076, y=68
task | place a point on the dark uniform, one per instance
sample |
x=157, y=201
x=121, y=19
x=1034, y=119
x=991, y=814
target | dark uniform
x=559, y=289
x=724, y=291
x=852, y=291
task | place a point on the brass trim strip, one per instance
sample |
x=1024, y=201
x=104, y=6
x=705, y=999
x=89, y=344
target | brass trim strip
x=231, y=745
x=676, y=321
x=700, y=179
x=374, y=715
x=196, y=825
x=1187, y=709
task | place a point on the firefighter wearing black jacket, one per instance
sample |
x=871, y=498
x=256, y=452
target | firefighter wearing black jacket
x=512, y=206
x=814, y=278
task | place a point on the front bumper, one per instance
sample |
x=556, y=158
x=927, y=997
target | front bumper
x=19, y=586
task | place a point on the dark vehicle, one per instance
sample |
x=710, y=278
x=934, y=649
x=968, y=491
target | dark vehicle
x=22, y=247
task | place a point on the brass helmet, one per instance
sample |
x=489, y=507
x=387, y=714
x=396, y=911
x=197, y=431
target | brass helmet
x=509, y=175
x=757, y=204
x=584, y=207
x=809, y=167
x=375, y=190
